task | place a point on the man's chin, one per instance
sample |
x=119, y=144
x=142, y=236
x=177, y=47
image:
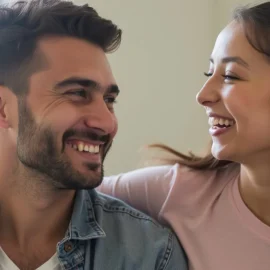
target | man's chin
x=83, y=183
x=93, y=175
x=93, y=167
x=84, y=176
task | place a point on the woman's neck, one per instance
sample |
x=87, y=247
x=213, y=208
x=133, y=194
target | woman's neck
x=254, y=188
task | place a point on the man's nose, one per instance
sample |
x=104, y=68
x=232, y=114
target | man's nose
x=100, y=117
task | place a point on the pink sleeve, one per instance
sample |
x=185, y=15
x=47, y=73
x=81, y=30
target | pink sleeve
x=144, y=189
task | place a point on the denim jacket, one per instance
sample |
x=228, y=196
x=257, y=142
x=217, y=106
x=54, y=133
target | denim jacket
x=107, y=234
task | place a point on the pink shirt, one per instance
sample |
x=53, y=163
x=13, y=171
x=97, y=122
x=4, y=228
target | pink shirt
x=206, y=211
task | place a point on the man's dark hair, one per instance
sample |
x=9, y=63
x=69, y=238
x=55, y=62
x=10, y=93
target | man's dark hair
x=23, y=23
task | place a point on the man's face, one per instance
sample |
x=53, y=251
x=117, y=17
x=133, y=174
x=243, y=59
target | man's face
x=67, y=121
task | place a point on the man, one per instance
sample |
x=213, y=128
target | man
x=57, y=123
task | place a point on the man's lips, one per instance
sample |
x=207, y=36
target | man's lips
x=87, y=137
x=91, y=155
x=85, y=146
x=84, y=141
x=92, y=147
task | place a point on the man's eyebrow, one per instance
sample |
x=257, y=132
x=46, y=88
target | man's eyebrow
x=87, y=83
x=113, y=89
x=233, y=59
x=76, y=81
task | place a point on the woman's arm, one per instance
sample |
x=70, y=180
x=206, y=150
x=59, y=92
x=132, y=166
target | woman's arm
x=144, y=189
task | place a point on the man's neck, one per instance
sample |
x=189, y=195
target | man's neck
x=33, y=215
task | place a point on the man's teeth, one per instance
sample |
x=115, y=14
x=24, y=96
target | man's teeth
x=215, y=121
x=82, y=147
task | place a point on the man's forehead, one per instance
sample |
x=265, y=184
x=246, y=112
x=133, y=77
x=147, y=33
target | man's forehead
x=70, y=48
x=70, y=57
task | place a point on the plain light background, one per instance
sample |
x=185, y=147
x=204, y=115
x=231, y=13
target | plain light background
x=159, y=68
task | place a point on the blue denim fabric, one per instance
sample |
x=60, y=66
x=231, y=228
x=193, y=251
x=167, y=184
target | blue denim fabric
x=107, y=234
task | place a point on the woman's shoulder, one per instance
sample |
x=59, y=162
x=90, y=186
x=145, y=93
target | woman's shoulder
x=193, y=191
x=181, y=175
x=185, y=175
x=153, y=189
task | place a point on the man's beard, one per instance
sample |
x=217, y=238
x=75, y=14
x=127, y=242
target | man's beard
x=37, y=150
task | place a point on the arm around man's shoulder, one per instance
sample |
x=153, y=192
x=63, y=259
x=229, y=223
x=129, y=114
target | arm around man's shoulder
x=145, y=189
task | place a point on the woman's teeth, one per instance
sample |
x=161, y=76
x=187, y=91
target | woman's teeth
x=220, y=122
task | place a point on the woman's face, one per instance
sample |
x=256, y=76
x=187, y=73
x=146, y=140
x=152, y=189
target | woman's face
x=236, y=97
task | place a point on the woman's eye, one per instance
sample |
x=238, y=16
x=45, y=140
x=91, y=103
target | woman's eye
x=226, y=77
x=230, y=78
x=79, y=93
x=208, y=74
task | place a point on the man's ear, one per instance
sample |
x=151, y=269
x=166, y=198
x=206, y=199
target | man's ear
x=5, y=99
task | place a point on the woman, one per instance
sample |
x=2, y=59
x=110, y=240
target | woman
x=219, y=206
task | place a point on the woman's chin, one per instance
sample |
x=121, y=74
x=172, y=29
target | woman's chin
x=221, y=152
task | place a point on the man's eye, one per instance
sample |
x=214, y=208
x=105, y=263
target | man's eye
x=110, y=100
x=79, y=93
